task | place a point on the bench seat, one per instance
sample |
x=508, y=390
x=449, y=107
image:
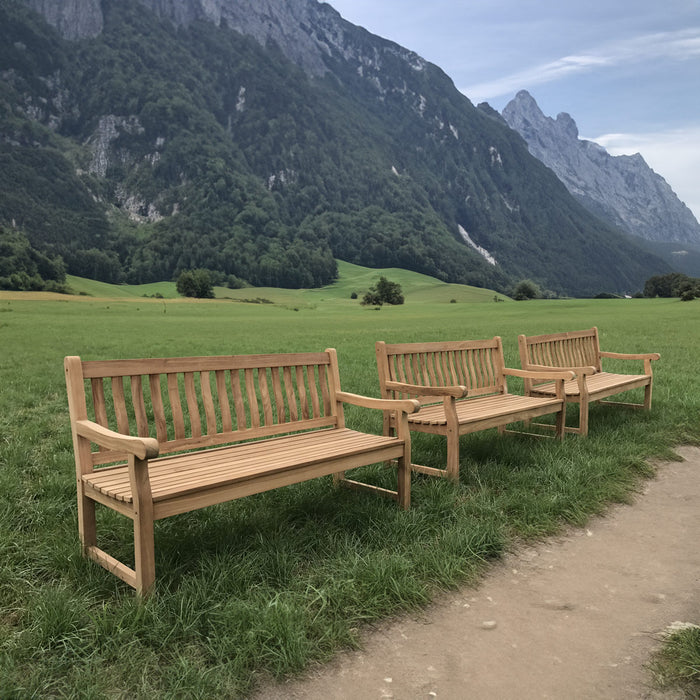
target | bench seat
x=489, y=411
x=242, y=467
x=601, y=384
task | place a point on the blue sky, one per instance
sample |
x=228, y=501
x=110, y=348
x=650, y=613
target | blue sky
x=627, y=71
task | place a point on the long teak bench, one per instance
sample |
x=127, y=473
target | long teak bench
x=239, y=425
x=580, y=351
x=462, y=388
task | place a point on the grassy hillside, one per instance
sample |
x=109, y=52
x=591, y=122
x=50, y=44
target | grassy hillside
x=417, y=288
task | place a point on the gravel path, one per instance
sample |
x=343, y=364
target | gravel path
x=576, y=617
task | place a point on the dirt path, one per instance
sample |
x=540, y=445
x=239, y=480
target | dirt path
x=576, y=617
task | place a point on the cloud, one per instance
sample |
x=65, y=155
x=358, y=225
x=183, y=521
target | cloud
x=673, y=154
x=679, y=45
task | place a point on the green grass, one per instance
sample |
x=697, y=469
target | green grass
x=677, y=664
x=263, y=586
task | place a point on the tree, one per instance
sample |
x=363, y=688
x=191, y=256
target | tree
x=195, y=283
x=384, y=292
x=526, y=289
x=666, y=285
x=24, y=268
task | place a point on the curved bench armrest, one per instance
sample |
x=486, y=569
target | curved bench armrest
x=403, y=405
x=143, y=448
x=631, y=356
x=545, y=373
x=576, y=370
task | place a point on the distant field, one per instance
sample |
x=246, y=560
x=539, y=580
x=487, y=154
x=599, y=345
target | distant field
x=270, y=584
x=417, y=288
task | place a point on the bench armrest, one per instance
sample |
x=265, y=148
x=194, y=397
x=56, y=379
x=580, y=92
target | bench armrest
x=403, y=405
x=143, y=448
x=631, y=356
x=545, y=373
x=457, y=391
x=576, y=370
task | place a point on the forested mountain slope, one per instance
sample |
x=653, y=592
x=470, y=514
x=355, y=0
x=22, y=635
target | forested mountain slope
x=264, y=139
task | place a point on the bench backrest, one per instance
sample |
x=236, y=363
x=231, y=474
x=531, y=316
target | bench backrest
x=204, y=401
x=476, y=364
x=569, y=349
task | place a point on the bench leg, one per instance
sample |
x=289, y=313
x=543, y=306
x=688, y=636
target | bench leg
x=144, y=553
x=560, y=425
x=144, y=546
x=87, y=523
x=647, y=397
x=583, y=417
x=453, y=455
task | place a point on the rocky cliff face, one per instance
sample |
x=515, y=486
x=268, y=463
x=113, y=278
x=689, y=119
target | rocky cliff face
x=622, y=189
x=74, y=19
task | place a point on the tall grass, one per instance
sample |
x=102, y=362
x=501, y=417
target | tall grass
x=260, y=587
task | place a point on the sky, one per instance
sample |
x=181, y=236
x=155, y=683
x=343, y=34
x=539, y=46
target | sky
x=627, y=71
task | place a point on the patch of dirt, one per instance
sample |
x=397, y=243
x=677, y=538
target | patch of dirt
x=577, y=616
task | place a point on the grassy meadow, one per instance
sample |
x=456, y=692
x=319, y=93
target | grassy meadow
x=259, y=588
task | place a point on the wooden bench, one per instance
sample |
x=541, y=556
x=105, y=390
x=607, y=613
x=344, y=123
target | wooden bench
x=283, y=412
x=462, y=389
x=580, y=352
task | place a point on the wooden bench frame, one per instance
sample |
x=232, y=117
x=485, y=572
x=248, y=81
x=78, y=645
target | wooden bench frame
x=462, y=389
x=248, y=423
x=580, y=352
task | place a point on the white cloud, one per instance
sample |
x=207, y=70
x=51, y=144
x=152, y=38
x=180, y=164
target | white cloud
x=675, y=155
x=679, y=45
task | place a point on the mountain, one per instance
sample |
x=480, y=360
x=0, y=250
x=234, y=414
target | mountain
x=263, y=139
x=623, y=190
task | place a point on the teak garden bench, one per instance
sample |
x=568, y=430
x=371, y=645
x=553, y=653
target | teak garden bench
x=284, y=412
x=462, y=389
x=580, y=352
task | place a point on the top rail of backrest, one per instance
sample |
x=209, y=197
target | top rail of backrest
x=188, y=402
x=476, y=364
x=566, y=349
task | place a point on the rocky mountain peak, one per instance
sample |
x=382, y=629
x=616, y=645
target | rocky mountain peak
x=624, y=190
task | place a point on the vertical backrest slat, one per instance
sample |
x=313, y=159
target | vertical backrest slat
x=158, y=410
x=402, y=361
x=98, y=401
x=498, y=364
x=277, y=392
x=224, y=406
x=265, y=397
x=139, y=406
x=252, y=398
x=120, y=405
x=238, y=403
x=301, y=389
x=175, y=406
x=192, y=405
x=430, y=370
x=325, y=392
x=208, y=401
x=315, y=403
x=291, y=396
